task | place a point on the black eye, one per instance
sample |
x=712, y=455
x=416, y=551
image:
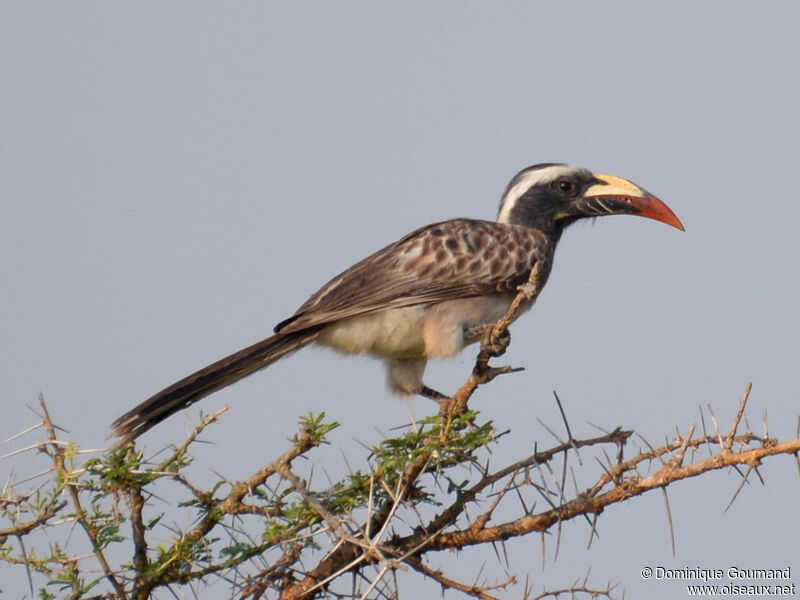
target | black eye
x=565, y=186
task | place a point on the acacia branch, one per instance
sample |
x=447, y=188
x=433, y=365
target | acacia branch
x=296, y=518
x=27, y=527
x=59, y=459
x=473, y=590
x=588, y=503
x=347, y=553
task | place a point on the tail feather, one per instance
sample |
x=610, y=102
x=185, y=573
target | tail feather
x=206, y=381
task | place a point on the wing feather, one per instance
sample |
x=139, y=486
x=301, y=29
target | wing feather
x=444, y=261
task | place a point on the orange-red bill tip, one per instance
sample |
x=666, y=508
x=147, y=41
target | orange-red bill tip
x=653, y=208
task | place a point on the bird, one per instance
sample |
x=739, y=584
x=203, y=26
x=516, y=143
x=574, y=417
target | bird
x=429, y=294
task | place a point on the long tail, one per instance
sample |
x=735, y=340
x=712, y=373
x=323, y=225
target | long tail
x=206, y=381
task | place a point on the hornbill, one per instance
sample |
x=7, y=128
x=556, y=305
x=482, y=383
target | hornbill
x=429, y=294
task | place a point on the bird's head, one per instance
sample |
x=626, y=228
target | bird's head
x=550, y=196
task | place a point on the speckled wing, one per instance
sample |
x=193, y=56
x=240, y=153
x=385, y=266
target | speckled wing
x=454, y=259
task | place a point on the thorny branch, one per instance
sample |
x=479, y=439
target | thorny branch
x=473, y=590
x=276, y=533
x=482, y=373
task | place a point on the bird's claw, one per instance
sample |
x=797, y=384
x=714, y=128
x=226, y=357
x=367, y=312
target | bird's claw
x=493, y=344
x=434, y=395
x=496, y=345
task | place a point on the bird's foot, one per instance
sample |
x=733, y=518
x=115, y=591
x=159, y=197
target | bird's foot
x=494, y=345
x=497, y=345
x=434, y=395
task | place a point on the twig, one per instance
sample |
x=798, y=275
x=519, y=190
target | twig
x=59, y=459
x=576, y=589
x=471, y=590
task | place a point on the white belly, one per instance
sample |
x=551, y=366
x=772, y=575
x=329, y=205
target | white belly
x=426, y=331
x=395, y=333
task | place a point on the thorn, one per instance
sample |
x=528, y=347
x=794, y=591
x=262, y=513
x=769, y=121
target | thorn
x=669, y=520
x=738, y=418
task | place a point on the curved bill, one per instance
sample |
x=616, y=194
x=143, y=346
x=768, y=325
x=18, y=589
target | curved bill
x=612, y=195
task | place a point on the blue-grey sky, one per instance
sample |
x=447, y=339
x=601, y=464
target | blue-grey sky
x=177, y=178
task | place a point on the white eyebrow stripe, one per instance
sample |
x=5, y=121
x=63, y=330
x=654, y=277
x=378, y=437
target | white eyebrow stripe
x=526, y=181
